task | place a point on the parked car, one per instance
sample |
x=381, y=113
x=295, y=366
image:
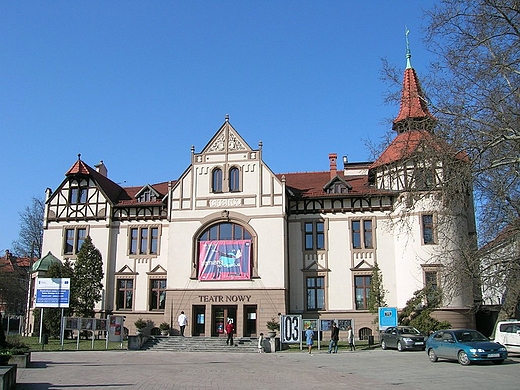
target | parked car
x=507, y=333
x=465, y=346
x=402, y=337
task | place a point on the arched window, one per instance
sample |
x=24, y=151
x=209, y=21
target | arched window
x=216, y=185
x=234, y=180
x=225, y=253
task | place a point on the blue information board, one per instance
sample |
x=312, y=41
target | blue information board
x=387, y=317
x=52, y=292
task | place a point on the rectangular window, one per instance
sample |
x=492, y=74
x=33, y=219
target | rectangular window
x=314, y=235
x=154, y=240
x=362, y=287
x=74, y=240
x=143, y=241
x=316, y=293
x=157, y=294
x=427, y=229
x=133, y=240
x=362, y=237
x=125, y=294
x=430, y=280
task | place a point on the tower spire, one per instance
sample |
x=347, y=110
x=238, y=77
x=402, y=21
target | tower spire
x=413, y=113
x=408, y=52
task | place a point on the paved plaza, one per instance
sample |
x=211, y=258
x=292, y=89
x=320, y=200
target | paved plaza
x=364, y=369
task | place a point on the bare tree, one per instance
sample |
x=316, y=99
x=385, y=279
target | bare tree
x=476, y=89
x=30, y=238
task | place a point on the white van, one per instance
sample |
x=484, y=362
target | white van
x=507, y=333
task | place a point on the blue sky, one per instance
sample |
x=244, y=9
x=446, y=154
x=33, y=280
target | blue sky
x=137, y=83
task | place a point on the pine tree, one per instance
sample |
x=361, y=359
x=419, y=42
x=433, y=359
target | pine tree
x=88, y=277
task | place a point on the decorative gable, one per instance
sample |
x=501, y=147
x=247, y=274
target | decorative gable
x=226, y=140
x=337, y=185
x=126, y=270
x=147, y=194
x=159, y=270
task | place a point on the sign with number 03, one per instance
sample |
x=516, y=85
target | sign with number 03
x=291, y=329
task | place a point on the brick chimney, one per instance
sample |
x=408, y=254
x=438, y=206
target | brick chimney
x=333, y=166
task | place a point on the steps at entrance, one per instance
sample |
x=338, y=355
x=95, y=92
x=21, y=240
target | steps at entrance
x=198, y=344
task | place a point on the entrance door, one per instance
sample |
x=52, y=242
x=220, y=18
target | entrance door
x=220, y=316
x=250, y=321
x=199, y=319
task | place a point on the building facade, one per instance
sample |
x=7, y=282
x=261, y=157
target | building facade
x=230, y=239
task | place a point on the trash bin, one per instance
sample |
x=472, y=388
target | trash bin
x=370, y=340
x=45, y=339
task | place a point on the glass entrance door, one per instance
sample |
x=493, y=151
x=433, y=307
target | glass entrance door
x=199, y=320
x=250, y=321
x=220, y=316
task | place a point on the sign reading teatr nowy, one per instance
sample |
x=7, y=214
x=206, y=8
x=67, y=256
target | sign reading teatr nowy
x=52, y=292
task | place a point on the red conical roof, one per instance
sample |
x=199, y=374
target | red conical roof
x=413, y=113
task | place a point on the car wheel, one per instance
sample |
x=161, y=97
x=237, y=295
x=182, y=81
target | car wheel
x=399, y=346
x=383, y=344
x=498, y=361
x=463, y=358
x=432, y=356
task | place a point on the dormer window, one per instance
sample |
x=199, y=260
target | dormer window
x=147, y=194
x=337, y=185
x=337, y=188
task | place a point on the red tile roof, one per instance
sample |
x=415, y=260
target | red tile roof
x=413, y=105
x=310, y=184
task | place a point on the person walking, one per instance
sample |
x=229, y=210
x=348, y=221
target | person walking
x=229, y=329
x=334, y=338
x=309, y=334
x=183, y=321
x=350, y=338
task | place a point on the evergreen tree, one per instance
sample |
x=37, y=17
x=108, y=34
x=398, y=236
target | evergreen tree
x=88, y=277
x=419, y=308
x=377, y=293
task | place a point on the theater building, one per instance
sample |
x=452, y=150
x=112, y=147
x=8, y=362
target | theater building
x=230, y=239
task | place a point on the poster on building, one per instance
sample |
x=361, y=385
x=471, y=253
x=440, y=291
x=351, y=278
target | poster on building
x=225, y=260
x=344, y=324
x=52, y=292
x=115, y=328
x=326, y=324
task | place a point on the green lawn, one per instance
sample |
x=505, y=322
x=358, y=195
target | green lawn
x=69, y=344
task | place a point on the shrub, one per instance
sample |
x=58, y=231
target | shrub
x=272, y=324
x=140, y=323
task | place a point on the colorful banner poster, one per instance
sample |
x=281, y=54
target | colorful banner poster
x=225, y=260
x=115, y=328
